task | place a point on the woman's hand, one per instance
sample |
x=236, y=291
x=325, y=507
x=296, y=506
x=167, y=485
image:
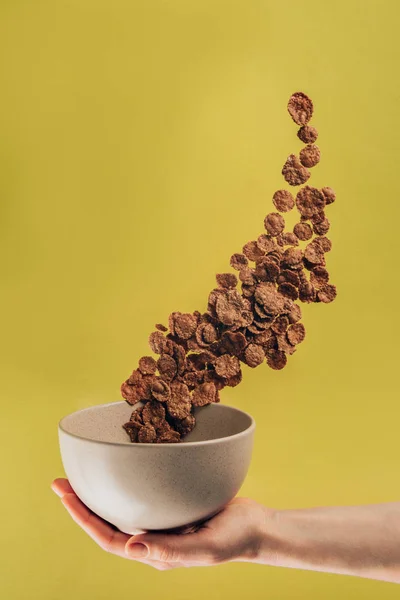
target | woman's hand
x=234, y=534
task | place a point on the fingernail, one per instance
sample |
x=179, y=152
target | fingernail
x=138, y=550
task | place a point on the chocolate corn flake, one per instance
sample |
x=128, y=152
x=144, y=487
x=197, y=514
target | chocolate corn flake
x=153, y=413
x=206, y=334
x=254, y=355
x=310, y=156
x=283, y=200
x=319, y=276
x=168, y=436
x=292, y=257
x=322, y=228
x=247, y=276
x=160, y=390
x=167, y=367
x=289, y=239
x=323, y=243
x=266, y=243
x=296, y=333
x=238, y=261
x=294, y=172
x=147, y=434
x=147, y=365
x=234, y=380
x=280, y=324
x=309, y=200
x=274, y=223
x=267, y=295
x=132, y=429
x=183, y=325
x=266, y=270
x=161, y=327
x=158, y=342
x=276, y=359
x=287, y=276
x=227, y=280
x=248, y=290
x=307, y=292
x=204, y=394
x=229, y=307
x=233, y=343
x=252, y=251
x=186, y=425
x=327, y=293
x=289, y=290
x=179, y=405
x=329, y=195
x=300, y=108
x=313, y=253
x=307, y=134
x=284, y=345
x=227, y=366
x=295, y=314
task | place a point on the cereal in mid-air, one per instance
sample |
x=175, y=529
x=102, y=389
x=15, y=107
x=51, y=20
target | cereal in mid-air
x=294, y=172
x=307, y=134
x=251, y=317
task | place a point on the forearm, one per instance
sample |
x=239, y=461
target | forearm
x=352, y=540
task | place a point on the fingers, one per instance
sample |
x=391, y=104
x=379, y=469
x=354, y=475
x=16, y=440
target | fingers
x=100, y=531
x=61, y=487
x=195, y=548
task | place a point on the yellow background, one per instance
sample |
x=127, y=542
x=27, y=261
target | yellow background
x=140, y=144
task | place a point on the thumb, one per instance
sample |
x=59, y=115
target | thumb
x=194, y=547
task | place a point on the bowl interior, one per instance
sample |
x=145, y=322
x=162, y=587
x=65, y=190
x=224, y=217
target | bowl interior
x=104, y=422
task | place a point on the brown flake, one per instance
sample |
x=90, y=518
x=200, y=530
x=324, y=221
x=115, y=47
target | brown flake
x=227, y=366
x=287, y=276
x=310, y=156
x=296, y=333
x=283, y=200
x=295, y=314
x=161, y=327
x=267, y=295
x=327, y=293
x=307, y=134
x=266, y=243
x=300, y=108
x=160, y=390
x=309, y=200
x=292, y=257
x=227, y=280
x=319, y=276
x=158, y=342
x=183, y=325
x=153, y=414
x=252, y=251
x=206, y=334
x=254, y=355
x=294, y=172
x=276, y=359
x=238, y=261
x=147, y=434
x=323, y=243
x=289, y=290
x=204, y=394
x=307, y=292
x=167, y=367
x=329, y=195
x=233, y=343
x=274, y=223
x=280, y=324
x=313, y=253
x=289, y=239
x=147, y=365
x=322, y=228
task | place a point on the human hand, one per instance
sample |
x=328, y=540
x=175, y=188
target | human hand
x=234, y=534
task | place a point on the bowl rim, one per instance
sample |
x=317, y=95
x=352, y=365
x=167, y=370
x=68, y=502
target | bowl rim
x=248, y=431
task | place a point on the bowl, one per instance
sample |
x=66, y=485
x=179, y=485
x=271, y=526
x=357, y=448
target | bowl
x=147, y=487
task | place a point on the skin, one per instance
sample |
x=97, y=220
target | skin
x=363, y=541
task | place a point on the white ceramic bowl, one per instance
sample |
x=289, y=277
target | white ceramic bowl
x=142, y=487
